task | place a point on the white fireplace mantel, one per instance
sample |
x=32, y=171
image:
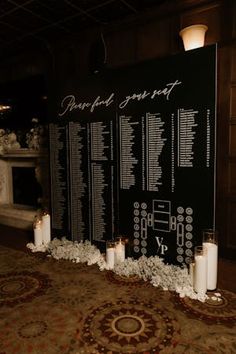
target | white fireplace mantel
x=21, y=153
x=19, y=216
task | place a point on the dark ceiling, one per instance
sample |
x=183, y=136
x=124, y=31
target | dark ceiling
x=31, y=22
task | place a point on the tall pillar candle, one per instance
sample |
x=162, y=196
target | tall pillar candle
x=46, y=227
x=200, y=272
x=38, y=233
x=210, y=244
x=119, y=250
x=110, y=254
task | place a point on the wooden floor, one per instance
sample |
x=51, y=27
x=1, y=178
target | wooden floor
x=17, y=238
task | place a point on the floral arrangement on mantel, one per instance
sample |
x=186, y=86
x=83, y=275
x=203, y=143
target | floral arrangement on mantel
x=153, y=269
x=8, y=141
x=34, y=138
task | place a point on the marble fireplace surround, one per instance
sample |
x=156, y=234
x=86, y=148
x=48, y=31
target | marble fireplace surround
x=16, y=215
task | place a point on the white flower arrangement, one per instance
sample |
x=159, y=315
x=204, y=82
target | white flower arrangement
x=8, y=141
x=78, y=252
x=34, y=138
x=153, y=269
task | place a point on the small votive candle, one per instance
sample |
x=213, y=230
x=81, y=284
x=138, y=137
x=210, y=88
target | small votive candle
x=110, y=254
x=119, y=250
x=38, y=232
x=200, y=273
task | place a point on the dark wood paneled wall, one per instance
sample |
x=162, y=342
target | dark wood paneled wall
x=150, y=36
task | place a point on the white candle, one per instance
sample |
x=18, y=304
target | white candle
x=46, y=227
x=110, y=257
x=212, y=260
x=119, y=252
x=38, y=232
x=38, y=236
x=200, y=273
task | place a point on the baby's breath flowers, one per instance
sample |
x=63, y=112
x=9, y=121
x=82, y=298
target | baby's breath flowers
x=152, y=269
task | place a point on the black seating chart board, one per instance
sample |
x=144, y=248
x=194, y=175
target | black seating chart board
x=132, y=153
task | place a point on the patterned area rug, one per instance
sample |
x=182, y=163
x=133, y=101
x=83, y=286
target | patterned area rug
x=59, y=307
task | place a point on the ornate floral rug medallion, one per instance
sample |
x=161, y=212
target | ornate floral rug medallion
x=221, y=309
x=19, y=287
x=129, y=327
x=40, y=329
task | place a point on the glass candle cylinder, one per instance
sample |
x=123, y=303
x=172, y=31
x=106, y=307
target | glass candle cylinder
x=191, y=271
x=110, y=254
x=46, y=227
x=210, y=243
x=38, y=232
x=119, y=250
x=200, y=273
x=127, y=244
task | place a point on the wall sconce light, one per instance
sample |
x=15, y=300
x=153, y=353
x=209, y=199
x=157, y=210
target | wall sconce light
x=4, y=108
x=193, y=36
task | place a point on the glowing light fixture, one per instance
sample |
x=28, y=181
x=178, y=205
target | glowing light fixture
x=193, y=36
x=4, y=108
